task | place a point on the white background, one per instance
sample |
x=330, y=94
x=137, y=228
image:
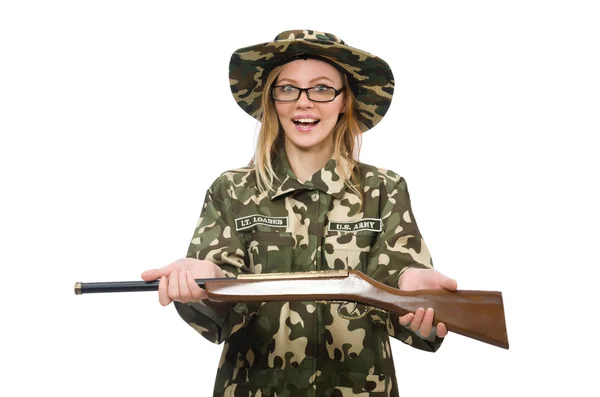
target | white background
x=115, y=116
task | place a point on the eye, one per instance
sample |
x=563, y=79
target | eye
x=287, y=88
x=321, y=88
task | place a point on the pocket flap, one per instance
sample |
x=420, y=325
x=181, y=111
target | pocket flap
x=360, y=382
x=258, y=377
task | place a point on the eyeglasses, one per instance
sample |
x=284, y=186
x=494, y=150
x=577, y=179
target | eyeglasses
x=318, y=93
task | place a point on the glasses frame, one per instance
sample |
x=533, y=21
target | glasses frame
x=300, y=90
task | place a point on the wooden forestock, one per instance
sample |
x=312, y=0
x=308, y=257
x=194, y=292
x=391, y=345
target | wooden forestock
x=474, y=314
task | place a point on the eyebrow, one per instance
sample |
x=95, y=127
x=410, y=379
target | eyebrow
x=311, y=81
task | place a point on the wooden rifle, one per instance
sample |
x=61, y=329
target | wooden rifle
x=475, y=314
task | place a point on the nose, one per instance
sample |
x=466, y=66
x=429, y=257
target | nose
x=303, y=100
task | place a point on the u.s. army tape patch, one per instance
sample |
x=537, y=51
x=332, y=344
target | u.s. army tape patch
x=368, y=224
x=249, y=221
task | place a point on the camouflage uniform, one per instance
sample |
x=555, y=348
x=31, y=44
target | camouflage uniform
x=290, y=349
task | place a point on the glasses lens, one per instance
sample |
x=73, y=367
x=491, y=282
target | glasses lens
x=321, y=93
x=285, y=93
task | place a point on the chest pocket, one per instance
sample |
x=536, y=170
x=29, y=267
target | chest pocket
x=347, y=250
x=269, y=252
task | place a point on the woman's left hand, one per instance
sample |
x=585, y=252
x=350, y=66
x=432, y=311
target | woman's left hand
x=422, y=320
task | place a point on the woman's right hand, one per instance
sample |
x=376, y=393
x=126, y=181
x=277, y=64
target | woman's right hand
x=177, y=280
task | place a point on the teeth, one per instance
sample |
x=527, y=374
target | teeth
x=305, y=120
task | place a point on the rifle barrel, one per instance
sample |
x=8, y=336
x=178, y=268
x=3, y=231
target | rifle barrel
x=126, y=286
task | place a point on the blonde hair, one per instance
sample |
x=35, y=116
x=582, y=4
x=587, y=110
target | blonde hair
x=346, y=139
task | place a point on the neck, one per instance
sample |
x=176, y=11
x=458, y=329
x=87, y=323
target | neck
x=305, y=163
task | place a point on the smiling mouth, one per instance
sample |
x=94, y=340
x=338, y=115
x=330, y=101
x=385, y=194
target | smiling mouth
x=306, y=122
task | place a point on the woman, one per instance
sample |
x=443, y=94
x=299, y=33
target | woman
x=305, y=203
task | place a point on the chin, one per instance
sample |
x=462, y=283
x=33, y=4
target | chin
x=306, y=140
x=307, y=145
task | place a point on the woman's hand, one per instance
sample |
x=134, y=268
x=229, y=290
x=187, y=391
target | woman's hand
x=177, y=280
x=422, y=320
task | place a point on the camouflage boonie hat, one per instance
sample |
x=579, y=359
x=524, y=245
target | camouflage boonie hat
x=249, y=67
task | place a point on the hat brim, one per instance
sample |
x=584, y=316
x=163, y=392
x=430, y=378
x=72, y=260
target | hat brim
x=249, y=66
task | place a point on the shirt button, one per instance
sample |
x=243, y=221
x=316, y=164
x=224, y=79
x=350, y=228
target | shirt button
x=315, y=196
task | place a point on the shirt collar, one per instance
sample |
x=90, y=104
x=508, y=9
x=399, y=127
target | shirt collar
x=328, y=179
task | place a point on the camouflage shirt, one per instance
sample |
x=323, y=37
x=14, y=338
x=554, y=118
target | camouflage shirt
x=290, y=349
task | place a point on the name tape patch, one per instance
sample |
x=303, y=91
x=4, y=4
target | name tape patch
x=249, y=221
x=370, y=224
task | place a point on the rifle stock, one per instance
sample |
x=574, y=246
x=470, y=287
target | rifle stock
x=475, y=314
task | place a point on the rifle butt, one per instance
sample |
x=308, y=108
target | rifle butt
x=475, y=314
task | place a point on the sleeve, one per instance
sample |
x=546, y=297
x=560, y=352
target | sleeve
x=216, y=240
x=398, y=248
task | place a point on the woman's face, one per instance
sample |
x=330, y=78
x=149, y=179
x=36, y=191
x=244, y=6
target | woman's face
x=307, y=124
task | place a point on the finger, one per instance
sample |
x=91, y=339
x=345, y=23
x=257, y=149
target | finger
x=441, y=330
x=174, y=285
x=427, y=323
x=197, y=293
x=163, y=293
x=406, y=319
x=449, y=284
x=150, y=275
x=416, y=322
x=184, y=290
x=155, y=274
